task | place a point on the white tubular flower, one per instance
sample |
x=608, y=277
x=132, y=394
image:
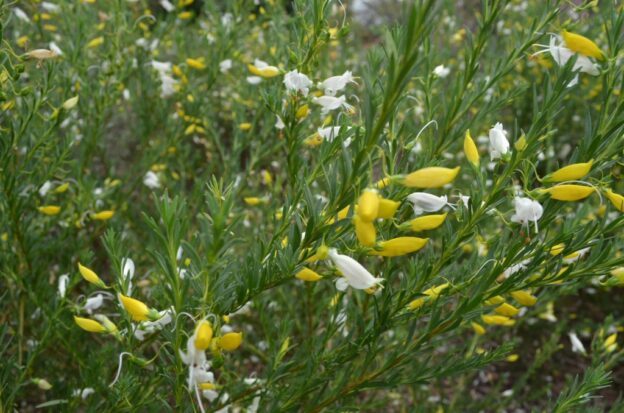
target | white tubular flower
x=297, y=82
x=336, y=83
x=330, y=132
x=151, y=180
x=93, y=303
x=168, y=85
x=161, y=67
x=424, y=202
x=279, y=123
x=54, y=47
x=20, y=14
x=166, y=4
x=527, y=210
x=354, y=274
x=441, y=71
x=148, y=327
x=83, y=393
x=499, y=145
x=63, y=281
x=577, y=344
x=225, y=65
x=561, y=54
x=330, y=103
x=47, y=185
x=50, y=7
x=254, y=80
x=127, y=272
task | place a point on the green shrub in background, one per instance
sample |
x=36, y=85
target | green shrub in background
x=266, y=206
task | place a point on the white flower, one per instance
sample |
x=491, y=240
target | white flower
x=149, y=327
x=279, y=123
x=297, y=82
x=167, y=6
x=83, y=393
x=515, y=268
x=336, y=83
x=225, y=65
x=63, y=281
x=54, y=47
x=575, y=256
x=527, y=210
x=424, y=202
x=20, y=14
x=93, y=303
x=577, y=344
x=168, y=84
x=254, y=80
x=441, y=71
x=127, y=268
x=354, y=274
x=50, y=7
x=561, y=54
x=499, y=145
x=332, y=103
x=47, y=185
x=151, y=180
x=329, y=133
x=161, y=66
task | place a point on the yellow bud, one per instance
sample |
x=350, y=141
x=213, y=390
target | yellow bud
x=137, y=309
x=432, y=177
x=185, y=15
x=70, y=103
x=507, y=310
x=399, y=246
x=98, y=41
x=89, y=325
x=368, y=205
x=470, y=149
x=321, y=254
x=582, y=45
x=245, y=126
x=207, y=386
x=103, y=215
x=252, y=200
x=344, y=212
x=313, y=140
x=570, y=173
x=424, y=223
x=387, y=208
x=616, y=199
x=557, y=249
x=512, y=358
x=478, y=328
x=430, y=294
x=568, y=192
x=306, y=274
x=610, y=344
x=50, y=209
x=230, y=341
x=382, y=183
x=521, y=144
x=365, y=231
x=265, y=72
x=203, y=335
x=524, y=297
x=497, y=320
x=496, y=300
x=302, y=112
x=90, y=276
x=196, y=63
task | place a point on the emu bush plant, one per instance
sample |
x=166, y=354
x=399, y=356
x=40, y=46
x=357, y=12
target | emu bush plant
x=263, y=206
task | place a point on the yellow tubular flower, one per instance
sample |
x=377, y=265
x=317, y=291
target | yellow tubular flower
x=365, y=231
x=203, y=335
x=507, y=310
x=245, y=126
x=50, y=209
x=582, y=45
x=230, y=341
x=424, y=223
x=387, y=208
x=302, y=112
x=569, y=192
x=306, y=274
x=512, y=358
x=103, y=215
x=470, y=149
x=195, y=63
x=497, y=320
x=497, y=299
x=478, y=328
x=432, y=177
x=90, y=276
x=524, y=298
x=266, y=72
x=557, y=249
x=399, y=246
x=616, y=199
x=430, y=294
x=382, y=183
x=252, y=200
x=89, y=325
x=610, y=344
x=569, y=173
x=137, y=309
x=98, y=41
x=368, y=205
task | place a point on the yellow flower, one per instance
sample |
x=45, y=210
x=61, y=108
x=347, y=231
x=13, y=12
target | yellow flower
x=245, y=126
x=137, y=309
x=496, y=300
x=266, y=72
x=470, y=149
x=196, y=63
x=618, y=274
x=365, y=231
x=568, y=192
x=507, y=310
x=307, y=274
x=570, y=173
x=610, y=344
x=382, y=183
x=320, y=254
x=399, y=246
x=512, y=358
x=302, y=112
x=616, y=199
x=497, y=320
x=387, y=208
x=557, y=249
x=430, y=294
x=432, y=177
x=478, y=328
x=424, y=223
x=252, y=200
x=103, y=215
x=90, y=276
x=203, y=335
x=98, y=41
x=368, y=205
x=524, y=297
x=313, y=140
x=50, y=209
x=582, y=45
x=230, y=341
x=89, y=325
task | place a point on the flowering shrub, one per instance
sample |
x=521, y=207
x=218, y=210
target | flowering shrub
x=267, y=206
